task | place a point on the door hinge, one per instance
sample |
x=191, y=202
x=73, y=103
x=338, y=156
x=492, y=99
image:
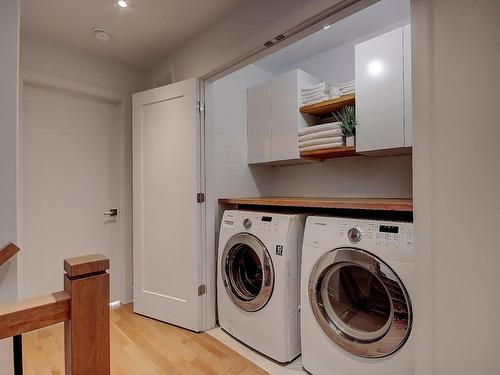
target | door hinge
x=202, y=289
x=200, y=198
x=200, y=107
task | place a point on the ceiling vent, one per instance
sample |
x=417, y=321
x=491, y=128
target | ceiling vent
x=101, y=34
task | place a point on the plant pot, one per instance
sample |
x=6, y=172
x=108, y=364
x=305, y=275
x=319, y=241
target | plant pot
x=350, y=141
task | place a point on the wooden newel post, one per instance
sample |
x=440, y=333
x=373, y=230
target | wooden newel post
x=86, y=334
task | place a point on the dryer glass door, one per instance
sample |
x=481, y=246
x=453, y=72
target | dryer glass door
x=247, y=272
x=360, y=303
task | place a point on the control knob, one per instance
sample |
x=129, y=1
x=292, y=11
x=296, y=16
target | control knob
x=247, y=223
x=354, y=234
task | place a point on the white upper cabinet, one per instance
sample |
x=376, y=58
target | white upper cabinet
x=407, y=84
x=273, y=119
x=259, y=124
x=383, y=92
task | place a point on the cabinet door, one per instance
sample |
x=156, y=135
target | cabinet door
x=407, y=85
x=284, y=117
x=258, y=124
x=379, y=92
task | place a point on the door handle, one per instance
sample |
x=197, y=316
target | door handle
x=112, y=212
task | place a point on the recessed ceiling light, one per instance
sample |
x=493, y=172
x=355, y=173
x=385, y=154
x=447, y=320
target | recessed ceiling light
x=122, y=3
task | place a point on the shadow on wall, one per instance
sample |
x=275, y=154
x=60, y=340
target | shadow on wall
x=362, y=176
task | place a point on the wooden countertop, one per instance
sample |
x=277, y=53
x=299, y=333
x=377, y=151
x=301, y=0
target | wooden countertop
x=376, y=204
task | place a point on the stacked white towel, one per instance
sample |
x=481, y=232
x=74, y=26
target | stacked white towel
x=315, y=94
x=347, y=87
x=320, y=137
x=324, y=91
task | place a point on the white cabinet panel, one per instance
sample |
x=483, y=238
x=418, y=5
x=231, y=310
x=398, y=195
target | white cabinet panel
x=284, y=117
x=379, y=92
x=258, y=124
x=407, y=85
x=273, y=119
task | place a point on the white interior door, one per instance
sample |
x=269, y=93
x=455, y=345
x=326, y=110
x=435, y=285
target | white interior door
x=167, y=176
x=70, y=169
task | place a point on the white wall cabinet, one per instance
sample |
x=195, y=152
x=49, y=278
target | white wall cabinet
x=383, y=92
x=273, y=119
x=259, y=123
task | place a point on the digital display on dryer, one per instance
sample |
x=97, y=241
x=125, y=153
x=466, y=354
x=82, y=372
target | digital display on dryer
x=388, y=229
x=267, y=219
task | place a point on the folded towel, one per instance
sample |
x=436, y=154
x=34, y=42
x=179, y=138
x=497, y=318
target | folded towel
x=315, y=96
x=347, y=92
x=334, y=92
x=320, y=86
x=322, y=147
x=312, y=95
x=347, y=84
x=319, y=128
x=319, y=141
x=321, y=134
x=316, y=101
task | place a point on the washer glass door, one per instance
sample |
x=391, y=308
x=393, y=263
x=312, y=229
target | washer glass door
x=247, y=272
x=360, y=303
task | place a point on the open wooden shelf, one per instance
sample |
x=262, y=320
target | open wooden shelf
x=328, y=106
x=376, y=204
x=329, y=153
x=7, y=252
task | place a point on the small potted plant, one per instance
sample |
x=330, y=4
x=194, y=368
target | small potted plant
x=347, y=119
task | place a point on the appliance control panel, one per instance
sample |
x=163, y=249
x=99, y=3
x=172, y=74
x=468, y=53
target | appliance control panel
x=384, y=235
x=392, y=240
x=256, y=222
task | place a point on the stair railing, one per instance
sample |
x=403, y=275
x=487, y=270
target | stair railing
x=83, y=306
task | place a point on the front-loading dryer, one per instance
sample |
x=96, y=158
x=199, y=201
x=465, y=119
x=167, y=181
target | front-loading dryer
x=258, y=281
x=356, y=287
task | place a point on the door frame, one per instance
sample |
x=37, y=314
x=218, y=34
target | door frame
x=37, y=79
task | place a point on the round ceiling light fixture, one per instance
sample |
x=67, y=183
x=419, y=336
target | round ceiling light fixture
x=101, y=34
x=122, y=3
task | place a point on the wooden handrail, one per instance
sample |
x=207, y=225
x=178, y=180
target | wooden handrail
x=83, y=306
x=7, y=252
x=34, y=313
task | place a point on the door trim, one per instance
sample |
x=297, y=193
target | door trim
x=37, y=79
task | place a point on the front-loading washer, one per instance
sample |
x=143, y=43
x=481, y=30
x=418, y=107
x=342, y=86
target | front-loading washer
x=356, y=287
x=258, y=281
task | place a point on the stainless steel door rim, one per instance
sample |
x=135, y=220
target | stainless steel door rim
x=360, y=303
x=247, y=272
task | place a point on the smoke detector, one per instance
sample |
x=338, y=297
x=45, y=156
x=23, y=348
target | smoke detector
x=101, y=34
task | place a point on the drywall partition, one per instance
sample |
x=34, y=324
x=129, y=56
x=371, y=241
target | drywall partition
x=456, y=185
x=9, y=72
x=53, y=66
x=60, y=61
x=243, y=30
x=227, y=171
x=374, y=177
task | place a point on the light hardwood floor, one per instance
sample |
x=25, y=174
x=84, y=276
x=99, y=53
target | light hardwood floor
x=141, y=346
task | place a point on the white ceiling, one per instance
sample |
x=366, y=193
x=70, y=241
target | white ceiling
x=141, y=35
x=372, y=19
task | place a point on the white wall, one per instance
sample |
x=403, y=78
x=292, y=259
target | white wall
x=9, y=47
x=250, y=25
x=228, y=174
x=87, y=73
x=373, y=177
x=63, y=62
x=457, y=185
